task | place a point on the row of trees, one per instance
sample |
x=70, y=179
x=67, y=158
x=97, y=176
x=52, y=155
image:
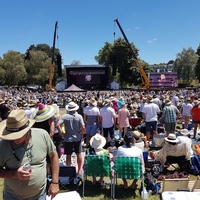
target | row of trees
x=32, y=67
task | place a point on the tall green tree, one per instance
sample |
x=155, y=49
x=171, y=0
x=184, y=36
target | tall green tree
x=14, y=70
x=120, y=54
x=197, y=67
x=185, y=64
x=37, y=67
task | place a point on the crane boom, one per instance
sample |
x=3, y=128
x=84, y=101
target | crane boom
x=145, y=80
x=51, y=72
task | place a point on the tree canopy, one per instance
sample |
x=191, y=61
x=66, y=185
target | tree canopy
x=119, y=55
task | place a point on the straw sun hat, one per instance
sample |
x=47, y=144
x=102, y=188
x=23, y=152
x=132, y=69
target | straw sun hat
x=15, y=126
x=43, y=112
x=71, y=106
x=97, y=141
x=171, y=138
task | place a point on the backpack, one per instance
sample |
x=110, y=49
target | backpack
x=150, y=184
x=195, y=165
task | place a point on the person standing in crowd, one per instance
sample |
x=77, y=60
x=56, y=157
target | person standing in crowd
x=57, y=137
x=4, y=110
x=175, y=100
x=21, y=144
x=91, y=119
x=107, y=119
x=150, y=113
x=156, y=100
x=120, y=102
x=130, y=150
x=186, y=112
x=74, y=131
x=195, y=114
x=43, y=116
x=169, y=115
x=123, y=119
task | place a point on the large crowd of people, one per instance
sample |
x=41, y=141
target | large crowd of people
x=92, y=113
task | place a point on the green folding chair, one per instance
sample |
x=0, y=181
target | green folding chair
x=99, y=166
x=128, y=168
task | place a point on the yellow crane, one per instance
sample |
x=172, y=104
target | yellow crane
x=144, y=77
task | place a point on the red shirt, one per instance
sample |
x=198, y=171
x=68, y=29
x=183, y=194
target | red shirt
x=195, y=111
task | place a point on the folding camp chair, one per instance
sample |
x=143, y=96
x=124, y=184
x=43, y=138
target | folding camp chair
x=175, y=184
x=98, y=165
x=67, y=177
x=196, y=186
x=128, y=168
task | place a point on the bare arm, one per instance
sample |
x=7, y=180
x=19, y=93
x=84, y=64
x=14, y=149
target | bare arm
x=54, y=186
x=52, y=126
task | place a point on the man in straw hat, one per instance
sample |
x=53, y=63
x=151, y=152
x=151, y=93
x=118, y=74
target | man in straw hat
x=91, y=119
x=170, y=148
x=74, y=131
x=169, y=115
x=21, y=144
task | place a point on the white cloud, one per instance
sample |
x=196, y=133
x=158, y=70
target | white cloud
x=151, y=41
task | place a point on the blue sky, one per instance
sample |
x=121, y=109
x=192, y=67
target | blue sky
x=159, y=28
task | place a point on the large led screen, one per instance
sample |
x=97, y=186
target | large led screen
x=166, y=79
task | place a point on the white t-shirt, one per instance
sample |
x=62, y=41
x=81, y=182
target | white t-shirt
x=151, y=110
x=186, y=109
x=107, y=113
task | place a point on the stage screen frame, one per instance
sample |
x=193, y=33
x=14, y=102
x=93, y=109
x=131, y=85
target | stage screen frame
x=163, y=79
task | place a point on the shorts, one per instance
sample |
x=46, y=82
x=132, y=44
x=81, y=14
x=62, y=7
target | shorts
x=196, y=122
x=91, y=129
x=151, y=126
x=108, y=130
x=70, y=147
x=170, y=127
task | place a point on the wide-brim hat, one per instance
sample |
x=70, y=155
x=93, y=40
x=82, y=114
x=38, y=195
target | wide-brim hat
x=136, y=134
x=2, y=101
x=171, y=138
x=43, y=112
x=106, y=102
x=93, y=102
x=185, y=132
x=16, y=125
x=167, y=101
x=149, y=98
x=71, y=106
x=97, y=141
x=196, y=102
x=33, y=103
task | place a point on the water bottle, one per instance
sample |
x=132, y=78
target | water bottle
x=144, y=193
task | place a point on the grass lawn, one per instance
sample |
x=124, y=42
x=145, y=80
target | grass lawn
x=95, y=193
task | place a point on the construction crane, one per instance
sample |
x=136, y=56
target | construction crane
x=49, y=87
x=145, y=79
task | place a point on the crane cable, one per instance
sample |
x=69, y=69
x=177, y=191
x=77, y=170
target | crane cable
x=114, y=31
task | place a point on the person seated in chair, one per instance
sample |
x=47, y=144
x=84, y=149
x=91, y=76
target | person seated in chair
x=184, y=138
x=97, y=142
x=170, y=148
x=130, y=150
